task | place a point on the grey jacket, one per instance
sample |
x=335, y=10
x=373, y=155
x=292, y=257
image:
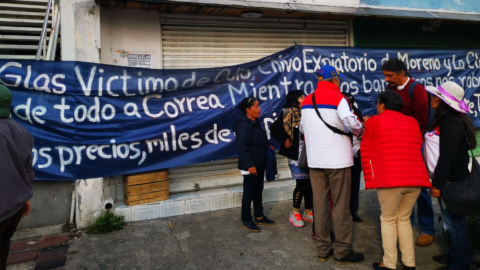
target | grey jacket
x=16, y=171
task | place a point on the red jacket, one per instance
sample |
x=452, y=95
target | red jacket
x=390, y=151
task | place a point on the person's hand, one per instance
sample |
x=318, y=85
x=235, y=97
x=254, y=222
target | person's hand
x=435, y=192
x=271, y=146
x=365, y=118
x=252, y=170
x=26, y=209
x=287, y=143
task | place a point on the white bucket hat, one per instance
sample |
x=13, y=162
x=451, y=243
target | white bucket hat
x=452, y=94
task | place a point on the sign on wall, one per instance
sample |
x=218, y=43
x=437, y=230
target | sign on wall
x=93, y=120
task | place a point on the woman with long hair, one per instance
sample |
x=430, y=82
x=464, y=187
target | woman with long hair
x=447, y=142
x=286, y=131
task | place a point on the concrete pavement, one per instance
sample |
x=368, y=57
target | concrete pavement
x=216, y=240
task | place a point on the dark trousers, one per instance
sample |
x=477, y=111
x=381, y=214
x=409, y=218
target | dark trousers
x=356, y=173
x=303, y=189
x=252, y=191
x=459, y=254
x=7, y=228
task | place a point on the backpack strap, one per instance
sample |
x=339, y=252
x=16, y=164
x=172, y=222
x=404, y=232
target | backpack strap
x=411, y=88
x=332, y=128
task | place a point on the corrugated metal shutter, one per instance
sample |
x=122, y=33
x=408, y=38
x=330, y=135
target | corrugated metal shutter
x=234, y=41
x=201, y=42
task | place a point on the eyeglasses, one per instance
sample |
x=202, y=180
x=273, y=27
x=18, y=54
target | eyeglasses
x=250, y=99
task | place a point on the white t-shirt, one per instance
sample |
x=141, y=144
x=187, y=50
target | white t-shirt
x=431, y=150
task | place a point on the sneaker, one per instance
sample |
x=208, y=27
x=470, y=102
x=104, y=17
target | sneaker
x=425, y=240
x=251, y=226
x=296, y=219
x=264, y=221
x=308, y=217
x=324, y=259
x=351, y=258
x=441, y=259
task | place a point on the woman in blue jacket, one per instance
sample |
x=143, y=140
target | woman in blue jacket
x=252, y=146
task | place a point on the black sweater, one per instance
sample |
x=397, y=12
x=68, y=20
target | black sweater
x=453, y=161
x=278, y=133
x=251, y=144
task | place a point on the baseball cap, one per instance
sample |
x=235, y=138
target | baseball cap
x=5, y=101
x=327, y=72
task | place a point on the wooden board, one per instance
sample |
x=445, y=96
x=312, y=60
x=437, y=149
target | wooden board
x=130, y=203
x=137, y=179
x=146, y=188
x=146, y=196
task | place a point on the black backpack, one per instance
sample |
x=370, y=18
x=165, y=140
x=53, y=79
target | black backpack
x=411, y=88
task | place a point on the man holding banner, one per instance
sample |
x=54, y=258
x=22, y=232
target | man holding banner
x=415, y=104
x=327, y=121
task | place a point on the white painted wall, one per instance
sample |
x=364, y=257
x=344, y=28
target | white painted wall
x=132, y=31
x=81, y=42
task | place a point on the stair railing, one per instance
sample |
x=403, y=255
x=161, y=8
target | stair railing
x=50, y=49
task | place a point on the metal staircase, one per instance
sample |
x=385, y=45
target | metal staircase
x=29, y=29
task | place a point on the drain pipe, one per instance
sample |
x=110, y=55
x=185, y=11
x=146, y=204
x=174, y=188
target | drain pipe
x=72, y=208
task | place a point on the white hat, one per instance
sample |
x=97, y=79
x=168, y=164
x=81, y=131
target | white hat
x=452, y=94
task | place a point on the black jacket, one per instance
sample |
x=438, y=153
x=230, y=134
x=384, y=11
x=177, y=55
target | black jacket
x=279, y=134
x=251, y=143
x=453, y=161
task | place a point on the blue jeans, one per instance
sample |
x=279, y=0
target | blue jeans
x=459, y=255
x=425, y=213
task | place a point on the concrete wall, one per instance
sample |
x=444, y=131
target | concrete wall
x=455, y=5
x=130, y=31
x=50, y=204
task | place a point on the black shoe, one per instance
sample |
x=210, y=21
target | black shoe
x=351, y=258
x=408, y=267
x=377, y=266
x=251, y=226
x=325, y=258
x=356, y=217
x=264, y=221
x=441, y=259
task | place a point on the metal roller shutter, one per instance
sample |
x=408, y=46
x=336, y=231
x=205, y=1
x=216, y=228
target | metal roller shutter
x=202, y=42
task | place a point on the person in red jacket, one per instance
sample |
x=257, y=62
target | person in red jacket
x=392, y=163
x=415, y=103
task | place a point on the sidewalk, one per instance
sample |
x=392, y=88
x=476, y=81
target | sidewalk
x=216, y=240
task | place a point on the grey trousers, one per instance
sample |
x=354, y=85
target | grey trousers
x=337, y=184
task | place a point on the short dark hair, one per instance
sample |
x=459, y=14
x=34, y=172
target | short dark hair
x=292, y=98
x=395, y=65
x=246, y=103
x=392, y=100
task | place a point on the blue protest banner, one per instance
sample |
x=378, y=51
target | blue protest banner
x=93, y=120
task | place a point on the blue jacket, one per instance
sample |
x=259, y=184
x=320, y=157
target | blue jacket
x=251, y=143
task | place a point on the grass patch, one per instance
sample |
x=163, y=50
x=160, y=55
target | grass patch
x=106, y=223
